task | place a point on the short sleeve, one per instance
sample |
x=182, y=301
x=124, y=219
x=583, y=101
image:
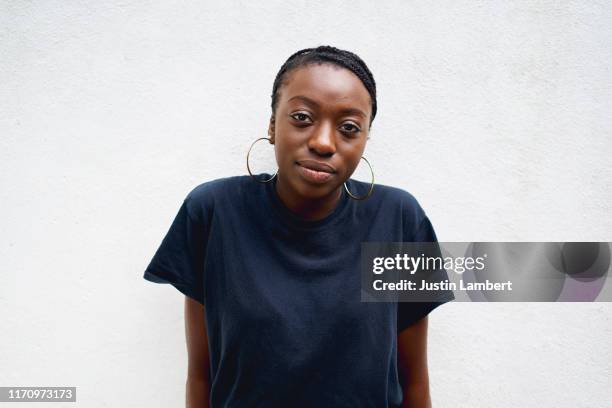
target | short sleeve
x=179, y=260
x=409, y=313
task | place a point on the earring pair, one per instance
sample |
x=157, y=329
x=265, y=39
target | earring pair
x=354, y=197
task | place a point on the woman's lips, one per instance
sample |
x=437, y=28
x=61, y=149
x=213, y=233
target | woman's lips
x=315, y=176
x=316, y=165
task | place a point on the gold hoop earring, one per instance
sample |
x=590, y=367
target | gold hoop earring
x=249, y=167
x=354, y=197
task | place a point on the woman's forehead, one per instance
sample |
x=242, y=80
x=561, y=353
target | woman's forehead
x=325, y=84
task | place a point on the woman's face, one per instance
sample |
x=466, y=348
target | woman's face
x=319, y=128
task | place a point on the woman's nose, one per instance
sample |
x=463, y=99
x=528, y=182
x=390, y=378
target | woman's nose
x=323, y=140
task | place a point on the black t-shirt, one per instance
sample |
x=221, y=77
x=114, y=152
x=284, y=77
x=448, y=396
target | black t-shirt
x=286, y=326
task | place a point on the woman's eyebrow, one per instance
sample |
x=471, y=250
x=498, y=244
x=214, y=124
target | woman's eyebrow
x=354, y=111
x=350, y=111
x=304, y=99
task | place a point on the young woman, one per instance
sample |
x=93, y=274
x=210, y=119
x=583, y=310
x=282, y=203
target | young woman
x=269, y=263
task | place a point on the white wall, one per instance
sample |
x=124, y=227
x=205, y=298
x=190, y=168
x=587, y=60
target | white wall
x=495, y=115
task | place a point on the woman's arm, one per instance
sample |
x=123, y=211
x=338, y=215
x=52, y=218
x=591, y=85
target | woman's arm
x=198, y=381
x=412, y=363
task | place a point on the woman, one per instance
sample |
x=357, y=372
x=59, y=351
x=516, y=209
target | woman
x=269, y=264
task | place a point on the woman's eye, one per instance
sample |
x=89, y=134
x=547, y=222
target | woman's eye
x=349, y=127
x=301, y=117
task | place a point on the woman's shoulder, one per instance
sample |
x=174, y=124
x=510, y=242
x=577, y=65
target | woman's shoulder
x=204, y=196
x=394, y=197
x=416, y=224
x=387, y=193
x=206, y=189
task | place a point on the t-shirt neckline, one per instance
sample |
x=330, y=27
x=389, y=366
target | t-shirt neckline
x=294, y=220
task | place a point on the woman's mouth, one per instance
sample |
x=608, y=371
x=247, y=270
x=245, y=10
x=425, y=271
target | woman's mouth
x=315, y=172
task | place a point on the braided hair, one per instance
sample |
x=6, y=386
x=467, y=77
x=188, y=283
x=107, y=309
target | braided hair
x=330, y=55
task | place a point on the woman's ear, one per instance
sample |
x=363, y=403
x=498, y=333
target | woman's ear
x=271, y=129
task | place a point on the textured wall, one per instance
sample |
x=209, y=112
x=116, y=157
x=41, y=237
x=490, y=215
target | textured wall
x=495, y=115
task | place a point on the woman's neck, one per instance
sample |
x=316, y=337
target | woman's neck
x=308, y=209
